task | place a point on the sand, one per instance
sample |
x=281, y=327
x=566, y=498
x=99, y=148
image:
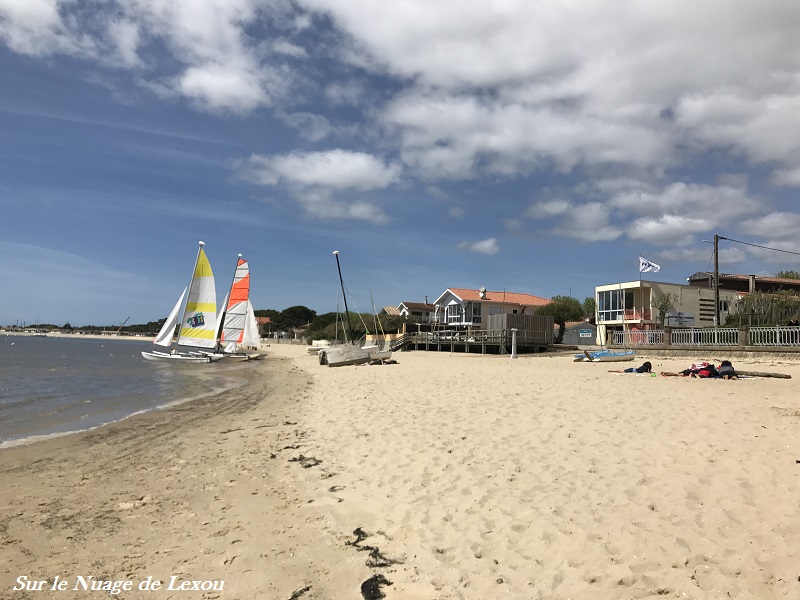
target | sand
x=469, y=477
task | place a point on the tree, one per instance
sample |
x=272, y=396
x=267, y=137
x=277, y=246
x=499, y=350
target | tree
x=589, y=306
x=296, y=316
x=664, y=303
x=788, y=275
x=562, y=309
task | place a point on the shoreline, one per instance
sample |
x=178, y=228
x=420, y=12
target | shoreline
x=465, y=476
x=189, y=491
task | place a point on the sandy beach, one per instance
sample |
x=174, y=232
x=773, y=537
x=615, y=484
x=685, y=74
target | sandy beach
x=450, y=476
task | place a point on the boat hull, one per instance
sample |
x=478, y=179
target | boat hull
x=606, y=356
x=376, y=353
x=180, y=357
x=344, y=355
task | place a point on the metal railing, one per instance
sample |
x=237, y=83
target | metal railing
x=779, y=336
x=774, y=336
x=709, y=336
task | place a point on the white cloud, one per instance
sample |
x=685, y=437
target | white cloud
x=286, y=47
x=321, y=204
x=786, y=177
x=725, y=202
x=222, y=86
x=487, y=246
x=35, y=27
x=669, y=229
x=549, y=208
x=124, y=36
x=775, y=225
x=345, y=93
x=455, y=212
x=314, y=179
x=335, y=169
x=310, y=126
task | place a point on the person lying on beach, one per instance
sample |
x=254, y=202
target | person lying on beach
x=645, y=368
x=707, y=371
x=726, y=370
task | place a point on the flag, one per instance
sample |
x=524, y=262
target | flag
x=645, y=266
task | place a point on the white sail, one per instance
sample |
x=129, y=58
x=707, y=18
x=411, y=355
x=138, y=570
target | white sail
x=164, y=337
x=251, y=335
x=200, y=315
x=221, y=313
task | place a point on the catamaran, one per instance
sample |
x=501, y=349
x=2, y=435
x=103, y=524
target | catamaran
x=239, y=328
x=348, y=353
x=197, y=318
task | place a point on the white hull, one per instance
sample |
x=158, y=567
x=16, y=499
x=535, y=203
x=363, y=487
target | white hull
x=343, y=355
x=181, y=357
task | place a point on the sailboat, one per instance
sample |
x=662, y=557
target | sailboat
x=348, y=353
x=237, y=325
x=375, y=350
x=197, y=319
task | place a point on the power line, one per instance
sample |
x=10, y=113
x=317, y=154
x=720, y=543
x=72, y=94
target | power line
x=758, y=246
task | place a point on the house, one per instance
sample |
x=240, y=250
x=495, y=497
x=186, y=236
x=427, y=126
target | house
x=463, y=308
x=421, y=311
x=631, y=306
x=391, y=311
x=745, y=283
x=577, y=333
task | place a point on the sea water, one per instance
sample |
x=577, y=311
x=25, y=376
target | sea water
x=58, y=384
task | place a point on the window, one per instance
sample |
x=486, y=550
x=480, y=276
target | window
x=453, y=312
x=611, y=305
x=476, y=312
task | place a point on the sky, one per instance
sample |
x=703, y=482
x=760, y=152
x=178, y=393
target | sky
x=536, y=147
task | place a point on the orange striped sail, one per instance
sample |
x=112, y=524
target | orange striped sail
x=233, y=325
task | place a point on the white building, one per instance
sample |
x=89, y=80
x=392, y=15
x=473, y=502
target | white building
x=630, y=306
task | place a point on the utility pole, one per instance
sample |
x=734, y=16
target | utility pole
x=716, y=280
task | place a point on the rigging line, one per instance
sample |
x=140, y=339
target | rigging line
x=758, y=246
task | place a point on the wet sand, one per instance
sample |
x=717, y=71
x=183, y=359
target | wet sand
x=449, y=476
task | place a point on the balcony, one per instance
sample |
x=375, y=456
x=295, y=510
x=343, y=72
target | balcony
x=618, y=316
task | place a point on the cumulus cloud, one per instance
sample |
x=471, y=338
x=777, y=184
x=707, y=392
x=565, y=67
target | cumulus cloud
x=774, y=225
x=588, y=222
x=488, y=246
x=310, y=126
x=668, y=229
x=605, y=95
x=335, y=169
x=124, y=35
x=314, y=178
x=322, y=204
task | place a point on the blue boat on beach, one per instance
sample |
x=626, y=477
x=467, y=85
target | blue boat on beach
x=605, y=356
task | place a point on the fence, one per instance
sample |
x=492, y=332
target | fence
x=778, y=336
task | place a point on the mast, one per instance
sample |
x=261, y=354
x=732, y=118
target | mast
x=374, y=317
x=344, y=297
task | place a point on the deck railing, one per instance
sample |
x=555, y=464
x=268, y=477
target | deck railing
x=779, y=336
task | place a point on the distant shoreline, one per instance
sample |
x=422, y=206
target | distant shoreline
x=88, y=336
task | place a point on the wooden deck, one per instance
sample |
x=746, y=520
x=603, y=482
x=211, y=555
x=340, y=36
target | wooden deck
x=475, y=342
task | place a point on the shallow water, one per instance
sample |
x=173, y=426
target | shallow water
x=58, y=384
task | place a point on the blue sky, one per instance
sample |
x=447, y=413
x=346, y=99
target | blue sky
x=536, y=147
